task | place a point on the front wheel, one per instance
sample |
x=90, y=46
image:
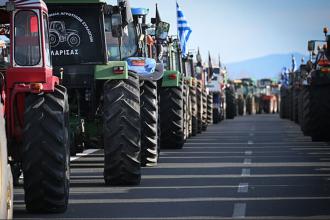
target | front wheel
x=121, y=131
x=172, y=121
x=149, y=123
x=45, y=152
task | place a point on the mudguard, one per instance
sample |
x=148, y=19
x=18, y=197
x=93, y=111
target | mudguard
x=171, y=78
x=108, y=72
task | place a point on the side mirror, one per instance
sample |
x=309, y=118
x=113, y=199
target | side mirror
x=311, y=45
x=162, y=30
x=116, y=25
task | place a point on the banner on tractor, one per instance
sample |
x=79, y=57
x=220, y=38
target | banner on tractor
x=76, y=35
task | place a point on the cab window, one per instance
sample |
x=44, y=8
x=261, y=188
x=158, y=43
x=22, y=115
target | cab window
x=26, y=38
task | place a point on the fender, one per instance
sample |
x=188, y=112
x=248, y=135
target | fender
x=112, y=70
x=171, y=78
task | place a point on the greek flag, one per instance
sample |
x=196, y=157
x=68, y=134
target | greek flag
x=184, y=30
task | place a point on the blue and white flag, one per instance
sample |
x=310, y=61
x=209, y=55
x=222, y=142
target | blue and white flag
x=184, y=29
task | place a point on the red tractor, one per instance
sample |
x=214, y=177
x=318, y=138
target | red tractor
x=35, y=107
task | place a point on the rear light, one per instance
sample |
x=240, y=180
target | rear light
x=324, y=62
x=138, y=62
x=36, y=87
x=118, y=69
x=172, y=76
x=325, y=70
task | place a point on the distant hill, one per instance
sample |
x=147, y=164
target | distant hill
x=263, y=67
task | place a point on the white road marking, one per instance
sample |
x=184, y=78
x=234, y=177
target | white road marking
x=248, y=152
x=250, y=142
x=239, y=210
x=243, y=188
x=247, y=161
x=246, y=172
x=85, y=153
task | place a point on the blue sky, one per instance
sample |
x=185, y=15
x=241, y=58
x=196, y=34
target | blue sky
x=244, y=29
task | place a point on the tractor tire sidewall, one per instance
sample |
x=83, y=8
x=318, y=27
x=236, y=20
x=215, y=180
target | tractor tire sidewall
x=306, y=110
x=149, y=122
x=45, y=152
x=193, y=101
x=204, y=110
x=172, y=117
x=121, y=131
x=199, y=94
x=210, y=108
x=230, y=104
x=320, y=108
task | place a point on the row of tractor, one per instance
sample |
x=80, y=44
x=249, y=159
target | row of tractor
x=80, y=74
x=305, y=91
x=252, y=97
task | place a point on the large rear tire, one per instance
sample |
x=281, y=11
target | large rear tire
x=45, y=152
x=185, y=112
x=249, y=105
x=149, y=123
x=193, y=102
x=283, y=103
x=300, y=107
x=295, y=107
x=320, y=108
x=204, y=111
x=306, y=112
x=199, y=98
x=121, y=131
x=230, y=104
x=210, y=108
x=171, y=110
x=240, y=106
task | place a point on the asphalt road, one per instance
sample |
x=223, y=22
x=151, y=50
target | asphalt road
x=253, y=167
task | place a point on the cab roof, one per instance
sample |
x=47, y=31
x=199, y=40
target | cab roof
x=25, y=3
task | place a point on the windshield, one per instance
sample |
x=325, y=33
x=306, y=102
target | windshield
x=27, y=44
x=129, y=41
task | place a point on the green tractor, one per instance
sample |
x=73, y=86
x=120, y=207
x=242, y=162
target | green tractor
x=172, y=115
x=239, y=93
x=249, y=89
x=111, y=85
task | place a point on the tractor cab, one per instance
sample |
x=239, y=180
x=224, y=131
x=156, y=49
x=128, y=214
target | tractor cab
x=265, y=86
x=248, y=86
x=30, y=28
x=25, y=52
x=172, y=63
x=35, y=106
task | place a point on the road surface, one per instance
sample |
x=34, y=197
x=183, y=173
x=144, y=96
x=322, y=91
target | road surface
x=252, y=167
